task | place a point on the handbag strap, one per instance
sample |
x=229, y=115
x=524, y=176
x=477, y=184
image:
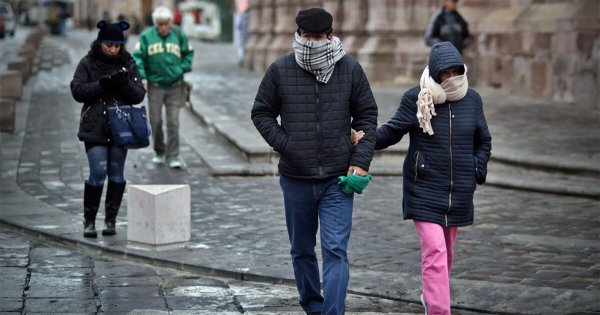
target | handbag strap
x=128, y=119
x=125, y=114
x=116, y=104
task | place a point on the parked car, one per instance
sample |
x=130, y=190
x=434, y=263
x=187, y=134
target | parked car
x=9, y=19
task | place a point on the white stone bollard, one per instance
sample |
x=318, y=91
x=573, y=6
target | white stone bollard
x=158, y=214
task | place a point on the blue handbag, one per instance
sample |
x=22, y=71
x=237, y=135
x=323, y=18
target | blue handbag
x=129, y=126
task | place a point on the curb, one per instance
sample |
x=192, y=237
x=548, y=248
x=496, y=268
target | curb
x=196, y=269
x=542, y=187
x=165, y=263
x=510, y=157
x=547, y=163
x=159, y=262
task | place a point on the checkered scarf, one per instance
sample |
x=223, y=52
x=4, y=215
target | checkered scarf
x=319, y=57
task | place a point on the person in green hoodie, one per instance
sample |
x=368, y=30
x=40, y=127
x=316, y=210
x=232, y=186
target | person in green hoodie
x=163, y=54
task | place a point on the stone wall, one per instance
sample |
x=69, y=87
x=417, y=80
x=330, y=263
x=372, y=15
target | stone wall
x=548, y=49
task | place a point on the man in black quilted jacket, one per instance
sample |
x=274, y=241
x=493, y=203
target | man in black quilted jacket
x=320, y=94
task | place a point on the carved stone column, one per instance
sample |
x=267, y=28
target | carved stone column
x=335, y=8
x=306, y=4
x=255, y=33
x=410, y=21
x=281, y=44
x=378, y=52
x=353, y=26
x=266, y=29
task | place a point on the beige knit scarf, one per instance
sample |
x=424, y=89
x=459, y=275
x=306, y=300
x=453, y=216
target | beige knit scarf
x=453, y=89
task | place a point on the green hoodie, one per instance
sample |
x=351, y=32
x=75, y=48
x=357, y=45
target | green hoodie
x=163, y=60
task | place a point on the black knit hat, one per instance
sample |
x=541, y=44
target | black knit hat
x=314, y=21
x=111, y=32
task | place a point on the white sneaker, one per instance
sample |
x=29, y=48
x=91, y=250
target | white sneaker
x=424, y=305
x=158, y=159
x=174, y=163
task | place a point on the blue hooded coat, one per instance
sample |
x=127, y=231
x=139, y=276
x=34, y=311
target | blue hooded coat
x=440, y=171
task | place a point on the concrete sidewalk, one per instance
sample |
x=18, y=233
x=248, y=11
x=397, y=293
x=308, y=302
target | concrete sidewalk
x=528, y=253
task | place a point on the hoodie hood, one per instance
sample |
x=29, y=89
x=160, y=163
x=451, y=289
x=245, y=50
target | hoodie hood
x=443, y=56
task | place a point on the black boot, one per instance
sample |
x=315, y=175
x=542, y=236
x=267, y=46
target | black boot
x=91, y=202
x=114, y=195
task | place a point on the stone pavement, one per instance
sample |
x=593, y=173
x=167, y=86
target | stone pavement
x=44, y=277
x=527, y=253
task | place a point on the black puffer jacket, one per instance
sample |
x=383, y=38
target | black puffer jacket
x=440, y=171
x=316, y=119
x=85, y=87
x=454, y=30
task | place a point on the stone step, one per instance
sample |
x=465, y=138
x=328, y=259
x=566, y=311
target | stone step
x=238, y=149
x=243, y=136
x=225, y=159
x=218, y=153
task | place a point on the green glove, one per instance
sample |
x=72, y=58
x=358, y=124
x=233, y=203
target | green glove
x=354, y=183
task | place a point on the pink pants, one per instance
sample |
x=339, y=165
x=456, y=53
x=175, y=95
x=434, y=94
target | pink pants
x=437, y=254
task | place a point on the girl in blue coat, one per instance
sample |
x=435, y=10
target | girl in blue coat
x=448, y=153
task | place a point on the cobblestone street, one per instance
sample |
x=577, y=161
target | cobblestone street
x=527, y=253
x=41, y=277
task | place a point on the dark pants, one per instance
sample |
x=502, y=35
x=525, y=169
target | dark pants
x=308, y=202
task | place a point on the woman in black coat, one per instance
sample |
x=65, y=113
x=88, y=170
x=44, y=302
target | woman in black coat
x=105, y=76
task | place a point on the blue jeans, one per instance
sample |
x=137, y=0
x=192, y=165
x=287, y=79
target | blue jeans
x=308, y=202
x=105, y=160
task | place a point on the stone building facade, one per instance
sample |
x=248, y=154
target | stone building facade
x=547, y=49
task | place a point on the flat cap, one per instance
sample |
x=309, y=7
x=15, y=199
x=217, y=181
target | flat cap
x=314, y=21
